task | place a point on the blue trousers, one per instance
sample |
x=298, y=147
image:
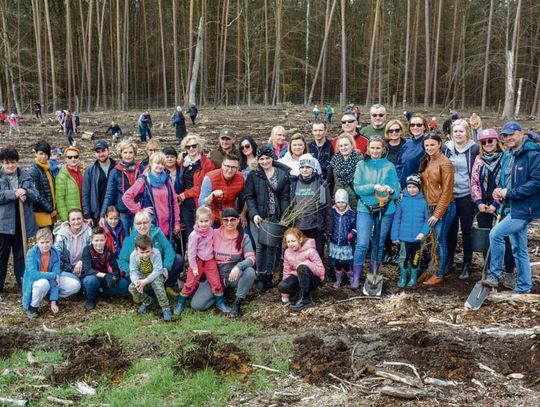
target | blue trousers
x=442, y=227
x=92, y=284
x=364, y=226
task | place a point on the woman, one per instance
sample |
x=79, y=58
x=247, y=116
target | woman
x=173, y=168
x=413, y=150
x=394, y=134
x=44, y=208
x=462, y=152
x=121, y=178
x=476, y=126
x=69, y=183
x=297, y=148
x=155, y=192
x=373, y=175
x=194, y=165
x=172, y=262
x=278, y=141
x=267, y=192
x=72, y=237
x=179, y=122
x=235, y=259
x=485, y=177
x=247, y=152
x=437, y=173
x=70, y=127
x=342, y=167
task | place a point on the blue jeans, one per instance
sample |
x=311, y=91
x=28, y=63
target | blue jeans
x=516, y=230
x=441, y=232
x=91, y=285
x=127, y=222
x=364, y=225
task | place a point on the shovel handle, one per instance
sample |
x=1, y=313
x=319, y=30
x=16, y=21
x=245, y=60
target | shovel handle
x=382, y=198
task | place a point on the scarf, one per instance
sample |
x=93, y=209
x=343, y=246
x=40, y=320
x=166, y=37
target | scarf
x=187, y=161
x=115, y=237
x=131, y=170
x=78, y=178
x=158, y=180
x=344, y=169
x=490, y=173
x=170, y=202
x=46, y=169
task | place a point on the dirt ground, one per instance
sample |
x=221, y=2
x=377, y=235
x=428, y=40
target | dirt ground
x=340, y=346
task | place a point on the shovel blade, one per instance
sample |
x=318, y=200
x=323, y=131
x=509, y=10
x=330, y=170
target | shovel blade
x=477, y=297
x=373, y=285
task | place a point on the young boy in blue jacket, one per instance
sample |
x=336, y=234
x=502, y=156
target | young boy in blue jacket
x=410, y=226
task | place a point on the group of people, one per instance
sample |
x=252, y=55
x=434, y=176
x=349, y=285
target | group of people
x=127, y=226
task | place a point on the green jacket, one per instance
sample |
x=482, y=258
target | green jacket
x=68, y=195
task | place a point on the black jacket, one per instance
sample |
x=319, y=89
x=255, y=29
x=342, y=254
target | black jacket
x=320, y=217
x=256, y=191
x=322, y=154
x=45, y=201
x=94, y=188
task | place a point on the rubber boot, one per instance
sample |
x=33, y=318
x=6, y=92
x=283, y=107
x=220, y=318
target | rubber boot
x=303, y=302
x=339, y=279
x=260, y=282
x=236, y=312
x=181, y=304
x=268, y=284
x=350, y=274
x=357, y=273
x=403, y=272
x=220, y=304
x=465, y=272
x=414, y=277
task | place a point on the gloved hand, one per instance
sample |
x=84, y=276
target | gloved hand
x=110, y=281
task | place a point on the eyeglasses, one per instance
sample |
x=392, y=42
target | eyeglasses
x=245, y=146
x=378, y=114
x=230, y=167
x=229, y=220
x=391, y=131
x=144, y=222
x=72, y=157
x=348, y=121
x=191, y=146
x=488, y=141
x=153, y=150
x=416, y=124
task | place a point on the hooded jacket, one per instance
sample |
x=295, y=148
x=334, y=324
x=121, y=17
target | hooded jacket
x=32, y=273
x=463, y=163
x=70, y=245
x=411, y=218
x=409, y=160
x=68, y=195
x=307, y=255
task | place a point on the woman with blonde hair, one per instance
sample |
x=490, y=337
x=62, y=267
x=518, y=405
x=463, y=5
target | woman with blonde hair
x=278, y=141
x=394, y=134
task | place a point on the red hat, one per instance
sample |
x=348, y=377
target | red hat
x=488, y=134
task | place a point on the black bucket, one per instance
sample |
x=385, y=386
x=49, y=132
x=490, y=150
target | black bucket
x=480, y=239
x=270, y=233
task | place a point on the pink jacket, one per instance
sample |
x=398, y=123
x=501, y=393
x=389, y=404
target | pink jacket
x=200, y=244
x=307, y=255
x=13, y=121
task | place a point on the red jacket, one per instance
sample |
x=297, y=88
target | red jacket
x=231, y=191
x=307, y=255
x=361, y=144
x=198, y=177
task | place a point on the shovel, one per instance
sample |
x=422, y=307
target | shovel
x=374, y=281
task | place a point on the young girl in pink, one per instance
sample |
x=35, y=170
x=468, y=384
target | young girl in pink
x=200, y=253
x=13, y=123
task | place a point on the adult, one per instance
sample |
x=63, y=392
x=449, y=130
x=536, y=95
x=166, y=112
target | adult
x=329, y=113
x=115, y=131
x=193, y=112
x=121, y=178
x=235, y=258
x=194, y=165
x=179, y=122
x=227, y=137
x=413, y=149
x=37, y=109
x=349, y=125
x=267, y=193
x=45, y=206
x=316, y=112
x=154, y=191
x=373, y=175
x=447, y=125
x=394, y=134
x=297, y=148
x=476, y=126
x=462, y=152
x=173, y=168
x=321, y=148
x=247, y=151
x=16, y=186
x=342, y=167
x=69, y=183
x=278, y=141
x=70, y=127
x=520, y=188
x=377, y=119
x=95, y=182
x=222, y=187
x=153, y=146
x=72, y=236
x=143, y=226
x=486, y=175
x=437, y=173
x=145, y=126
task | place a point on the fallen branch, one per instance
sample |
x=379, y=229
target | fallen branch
x=60, y=401
x=511, y=297
x=440, y=321
x=85, y=389
x=490, y=370
x=31, y=359
x=13, y=402
x=360, y=297
x=269, y=369
x=501, y=331
x=404, y=392
x=478, y=383
x=333, y=376
x=413, y=368
x=395, y=376
x=439, y=382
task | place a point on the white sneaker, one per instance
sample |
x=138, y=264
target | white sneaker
x=285, y=298
x=74, y=143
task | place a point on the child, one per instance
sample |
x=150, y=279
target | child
x=100, y=270
x=42, y=274
x=13, y=123
x=410, y=227
x=303, y=269
x=316, y=112
x=340, y=250
x=114, y=231
x=146, y=271
x=56, y=153
x=115, y=130
x=201, y=261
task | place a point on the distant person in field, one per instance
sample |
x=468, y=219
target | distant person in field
x=447, y=125
x=115, y=131
x=227, y=138
x=2, y=115
x=476, y=126
x=316, y=113
x=193, y=112
x=377, y=118
x=37, y=109
x=70, y=127
x=45, y=208
x=329, y=113
x=13, y=121
x=145, y=125
x=178, y=121
x=349, y=125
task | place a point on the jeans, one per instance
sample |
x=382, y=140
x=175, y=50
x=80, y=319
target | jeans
x=145, y=131
x=187, y=214
x=441, y=232
x=69, y=134
x=265, y=255
x=305, y=281
x=516, y=230
x=127, y=222
x=92, y=284
x=464, y=218
x=364, y=225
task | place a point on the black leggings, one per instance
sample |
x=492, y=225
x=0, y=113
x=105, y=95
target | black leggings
x=465, y=211
x=412, y=255
x=305, y=281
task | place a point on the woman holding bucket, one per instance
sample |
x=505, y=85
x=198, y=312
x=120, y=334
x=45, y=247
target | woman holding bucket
x=267, y=193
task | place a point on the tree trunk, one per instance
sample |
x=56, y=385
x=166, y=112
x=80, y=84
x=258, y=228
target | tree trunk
x=406, y=75
x=89, y=56
x=510, y=70
x=51, y=54
x=486, y=58
x=127, y=44
x=118, y=58
x=428, y=54
x=147, y=58
x=277, y=55
x=190, y=44
x=204, y=70
x=343, y=56
x=69, y=54
x=372, y=51
x=535, y=111
x=224, y=49
x=163, y=63
x=9, y=65
x=175, y=54
x=266, y=51
x=248, y=54
x=306, y=59
x=436, y=55
x=415, y=52
x=196, y=65
x=100, y=69
x=327, y=22
x=451, y=75
x=37, y=33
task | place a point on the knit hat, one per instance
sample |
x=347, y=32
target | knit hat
x=415, y=180
x=266, y=151
x=230, y=213
x=306, y=160
x=341, y=195
x=488, y=134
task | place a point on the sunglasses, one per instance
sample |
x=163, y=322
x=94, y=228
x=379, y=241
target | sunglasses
x=378, y=114
x=392, y=131
x=489, y=141
x=348, y=121
x=416, y=125
x=245, y=146
x=190, y=146
x=72, y=157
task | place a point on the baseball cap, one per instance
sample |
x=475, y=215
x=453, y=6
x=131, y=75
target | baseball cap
x=510, y=128
x=57, y=151
x=226, y=133
x=488, y=134
x=100, y=144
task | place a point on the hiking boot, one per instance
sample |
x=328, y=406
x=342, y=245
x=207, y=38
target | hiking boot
x=90, y=305
x=268, y=283
x=433, y=280
x=465, y=272
x=357, y=273
x=181, y=305
x=303, y=302
x=509, y=280
x=403, y=272
x=450, y=267
x=236, y=311
x=167, y=315
x=339, y=279
x=220, y=304
x=414, y=278
x=260, y=286
x=490, y=281
x=145, y=305
x=32, y=312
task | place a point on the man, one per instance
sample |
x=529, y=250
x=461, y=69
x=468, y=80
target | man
x=519, y=187
x=222, y=187
x=226, y=146
x=348, y=125
x=37, y=108
x=153, y=146
x=377, y=117
x=95, y=182
x=321, y=147
x=145, y=125
x=15, y=185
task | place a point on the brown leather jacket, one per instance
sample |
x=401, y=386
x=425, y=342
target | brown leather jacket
x=438, y=184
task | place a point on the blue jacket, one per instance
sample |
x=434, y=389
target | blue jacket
x=524, y=194
x=159, y=241
x=342, y=225
x=32, y=274
x=409, y=161
x=115, y=191
x=411, y=218
x=55, y=168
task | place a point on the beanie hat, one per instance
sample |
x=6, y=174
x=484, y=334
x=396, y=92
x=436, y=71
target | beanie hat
x=306, y=160
x=415, y=180
x=341, y=195
x=266, y=151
